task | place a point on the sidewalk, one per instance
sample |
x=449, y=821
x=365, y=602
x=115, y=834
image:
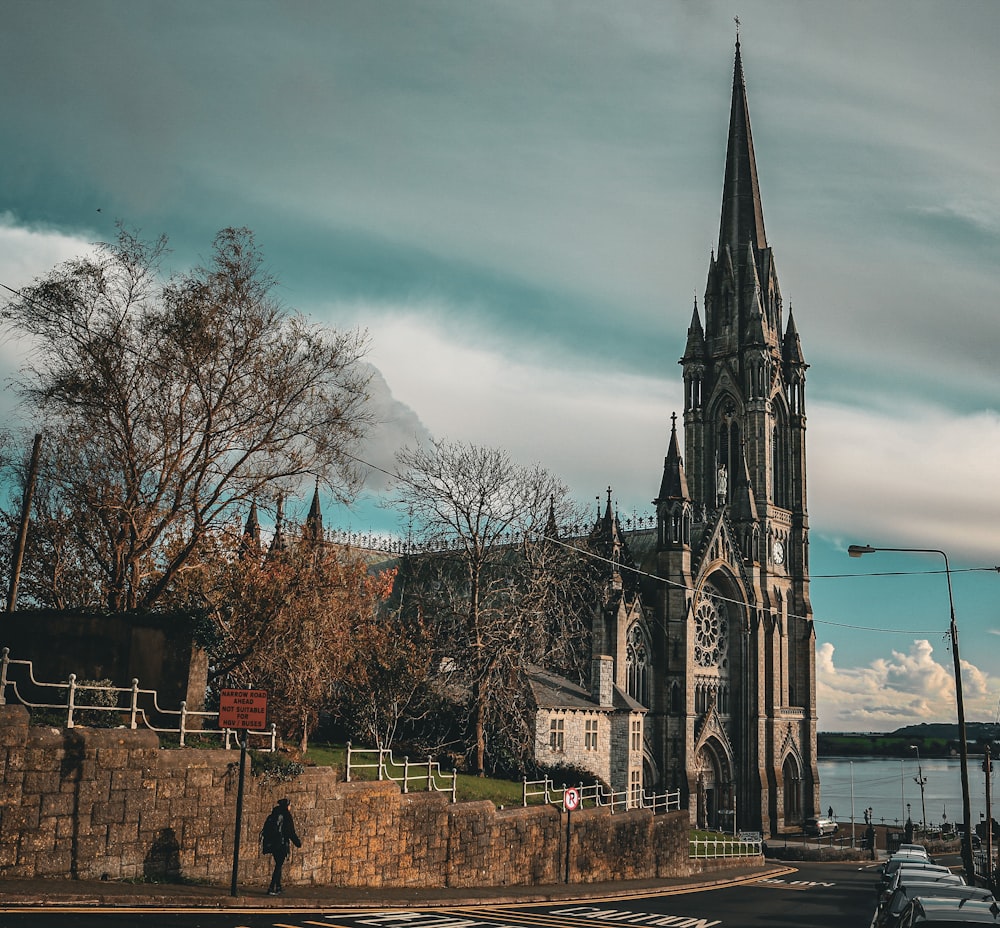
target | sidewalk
x=99, y=894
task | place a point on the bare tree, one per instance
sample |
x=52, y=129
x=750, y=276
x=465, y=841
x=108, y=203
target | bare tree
x=167, y=407
x=482, y=509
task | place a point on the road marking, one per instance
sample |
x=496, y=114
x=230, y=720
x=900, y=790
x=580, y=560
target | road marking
x=583, y=914
x=794, y=884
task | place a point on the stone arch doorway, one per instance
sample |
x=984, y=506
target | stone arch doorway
x=791, y=777
x=713, y=784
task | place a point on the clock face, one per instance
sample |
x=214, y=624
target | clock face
x=778, y=549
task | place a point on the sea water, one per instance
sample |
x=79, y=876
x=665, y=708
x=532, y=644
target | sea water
x=889, y=787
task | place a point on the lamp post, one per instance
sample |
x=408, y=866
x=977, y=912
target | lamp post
x=852, y=803
x=920, y=780
x=902, y=792
x=963, y=747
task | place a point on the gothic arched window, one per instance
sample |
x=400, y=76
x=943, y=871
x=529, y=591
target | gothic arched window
x=637, y=664
x=728, y=449
x=780, y=491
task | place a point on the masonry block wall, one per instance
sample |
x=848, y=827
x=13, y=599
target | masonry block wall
x=92, y=803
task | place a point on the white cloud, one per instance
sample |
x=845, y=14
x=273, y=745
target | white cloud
x=589, y=428
x=395, y=424
x=27, y=252
x=904, y=688
x=907, y=473
x=902, y=472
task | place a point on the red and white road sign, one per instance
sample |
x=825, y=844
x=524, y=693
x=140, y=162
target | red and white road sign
x=571, y=799
x=243, y=709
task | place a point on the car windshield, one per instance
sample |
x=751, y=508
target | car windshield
x=914, y=863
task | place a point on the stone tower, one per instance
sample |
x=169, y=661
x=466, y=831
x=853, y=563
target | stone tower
x=732, y=718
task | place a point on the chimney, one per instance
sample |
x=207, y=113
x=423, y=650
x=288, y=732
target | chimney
x=602, y=679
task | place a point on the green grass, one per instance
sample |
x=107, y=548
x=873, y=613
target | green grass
x=326, y=755
x=500, y=792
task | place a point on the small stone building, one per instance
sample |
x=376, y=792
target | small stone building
x=600, y=730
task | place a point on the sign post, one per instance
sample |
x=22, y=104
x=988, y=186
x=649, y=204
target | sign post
x=571, y=799
x=241, y=710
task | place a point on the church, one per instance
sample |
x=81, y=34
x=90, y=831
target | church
x=706, y=620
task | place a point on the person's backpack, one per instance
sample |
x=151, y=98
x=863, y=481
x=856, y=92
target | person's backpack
x=272, y=834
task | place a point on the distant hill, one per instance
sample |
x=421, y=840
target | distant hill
x=934, y=740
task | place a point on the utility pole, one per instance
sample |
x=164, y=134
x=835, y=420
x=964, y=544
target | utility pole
x=920, y=780
x=22, y=532
x=988, y=769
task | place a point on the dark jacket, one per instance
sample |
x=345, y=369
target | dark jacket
x=278, y=832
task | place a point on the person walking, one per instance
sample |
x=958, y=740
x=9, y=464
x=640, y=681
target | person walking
x=870, y=841
x=276, y=835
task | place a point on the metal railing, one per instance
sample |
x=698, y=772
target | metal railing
x=596, y=795
x=124, y=701
x=725, y=846
x=985, y=870
x=425, y=776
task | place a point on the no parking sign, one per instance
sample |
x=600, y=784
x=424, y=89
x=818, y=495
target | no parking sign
x=571, y=799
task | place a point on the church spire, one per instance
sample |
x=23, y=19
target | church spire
x=792, y=345
x=551, y=526
x=742, y=215
x=278, y=543
x=695, y=348
x=250, y=544
x=674, y=484
x=314, y=521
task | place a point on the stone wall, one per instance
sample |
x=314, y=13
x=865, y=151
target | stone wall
x=99, y=803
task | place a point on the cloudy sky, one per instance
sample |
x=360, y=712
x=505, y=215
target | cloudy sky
x=518, y=201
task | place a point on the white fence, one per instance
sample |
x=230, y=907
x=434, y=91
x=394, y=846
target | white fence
x=125, y=702
x=425, y=776
x=596, y=795
x=726, y=846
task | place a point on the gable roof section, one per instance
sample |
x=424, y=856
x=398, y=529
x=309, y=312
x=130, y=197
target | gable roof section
x=550, y=691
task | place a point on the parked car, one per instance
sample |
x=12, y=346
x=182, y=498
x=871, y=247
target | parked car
x=820, y=826
x=906, y=875
x=948, y=913
x=908, y=862
x=917, y=850
x=889, y=914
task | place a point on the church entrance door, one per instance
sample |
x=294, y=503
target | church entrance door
x=710, y=787
x=792, y=782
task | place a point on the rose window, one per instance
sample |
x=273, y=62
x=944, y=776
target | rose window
x=711, y=632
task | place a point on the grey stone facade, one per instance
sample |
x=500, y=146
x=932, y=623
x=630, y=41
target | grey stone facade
x=706, y=617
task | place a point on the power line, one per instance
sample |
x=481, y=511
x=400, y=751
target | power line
x=674, y=583
x=664, y=580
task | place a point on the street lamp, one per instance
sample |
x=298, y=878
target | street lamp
x=963, y=747
x=920, y=780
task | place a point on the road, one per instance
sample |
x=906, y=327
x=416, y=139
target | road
x=817, y=895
